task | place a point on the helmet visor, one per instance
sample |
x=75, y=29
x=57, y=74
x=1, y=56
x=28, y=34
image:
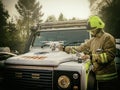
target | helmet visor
x=92, y=30
x=89, y=28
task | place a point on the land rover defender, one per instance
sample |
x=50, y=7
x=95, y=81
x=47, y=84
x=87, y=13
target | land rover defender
x=44, y=66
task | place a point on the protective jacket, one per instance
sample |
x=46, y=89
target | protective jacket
x=103, y=50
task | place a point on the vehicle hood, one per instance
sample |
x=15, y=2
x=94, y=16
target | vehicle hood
x=53, y=58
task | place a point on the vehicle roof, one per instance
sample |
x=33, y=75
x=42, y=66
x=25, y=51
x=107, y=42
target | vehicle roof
x=63, y=25
x=71, y=28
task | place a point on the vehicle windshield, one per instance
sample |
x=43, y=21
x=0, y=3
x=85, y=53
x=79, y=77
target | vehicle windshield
x=68, y=37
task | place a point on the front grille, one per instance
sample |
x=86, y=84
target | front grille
x=29, y=78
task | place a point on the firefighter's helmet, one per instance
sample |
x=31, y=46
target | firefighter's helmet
x=95, y=22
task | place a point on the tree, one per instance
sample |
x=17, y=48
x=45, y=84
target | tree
x=61, y=17
x=30, y=15
x=12, y=36
x=3, y=23
x=111, y=16
x=74, y=18
x=51, y=18
x=30, y=12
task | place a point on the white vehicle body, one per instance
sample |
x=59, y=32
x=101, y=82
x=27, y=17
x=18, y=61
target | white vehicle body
x=46, y=67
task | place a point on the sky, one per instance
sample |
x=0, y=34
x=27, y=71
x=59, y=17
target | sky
x=69, y=8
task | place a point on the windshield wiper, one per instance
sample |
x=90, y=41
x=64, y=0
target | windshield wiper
x=44, y=45
x=73, y=43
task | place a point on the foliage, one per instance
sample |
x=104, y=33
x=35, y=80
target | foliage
x=30, y=12
x=51, y=18
x=8, y=33
x=30, y=15
x=61, y=17
x=3, y=24
x=13, y=39
x=110, y=14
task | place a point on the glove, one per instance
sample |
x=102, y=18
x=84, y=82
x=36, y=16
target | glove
x=60, y=47
x=68, y=49
x=85, y=57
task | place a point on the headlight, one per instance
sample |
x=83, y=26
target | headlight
x=63, y=81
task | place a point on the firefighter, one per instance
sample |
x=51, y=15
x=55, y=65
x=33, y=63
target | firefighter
x=102, y=51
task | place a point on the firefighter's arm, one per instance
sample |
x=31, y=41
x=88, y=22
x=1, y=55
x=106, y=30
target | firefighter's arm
x=83, y=47
x=108, y=53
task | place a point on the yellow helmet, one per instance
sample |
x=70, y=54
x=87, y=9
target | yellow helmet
x=94, y=22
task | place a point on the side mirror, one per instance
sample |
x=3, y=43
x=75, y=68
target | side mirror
x=16, y=52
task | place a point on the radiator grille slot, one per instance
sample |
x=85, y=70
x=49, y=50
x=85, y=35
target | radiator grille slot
x=29, y=78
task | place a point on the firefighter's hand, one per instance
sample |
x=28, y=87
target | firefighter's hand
x=85, y=57
x=68, y=49
x=60, y=47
